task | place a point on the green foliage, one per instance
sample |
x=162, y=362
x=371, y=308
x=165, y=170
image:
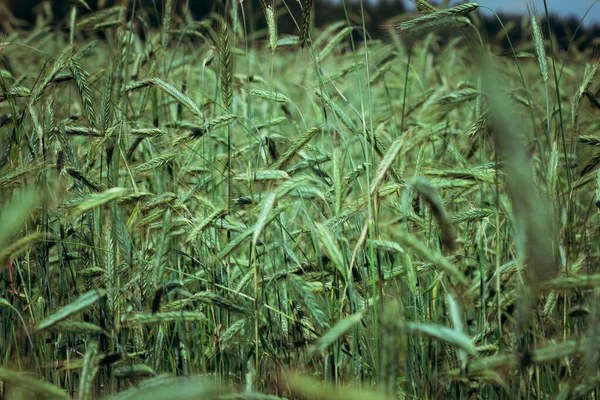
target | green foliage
x=411, y=216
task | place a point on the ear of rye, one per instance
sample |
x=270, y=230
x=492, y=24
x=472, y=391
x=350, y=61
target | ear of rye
x=84, y=301
x=386, y=164
x=269, y=202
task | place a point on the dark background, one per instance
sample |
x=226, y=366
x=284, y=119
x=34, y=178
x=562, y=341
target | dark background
x=325, y=13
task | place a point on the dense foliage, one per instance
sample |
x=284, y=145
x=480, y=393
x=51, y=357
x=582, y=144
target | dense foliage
x=203, y=209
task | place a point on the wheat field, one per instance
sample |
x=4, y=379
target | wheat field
x=198, y=210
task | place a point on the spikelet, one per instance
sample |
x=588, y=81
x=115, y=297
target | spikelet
x=84, y=301
x=170, y=90
x=226, y=66
x=167, y=23
x=270, y=122
x=232, y=332
x=81, y=328
x=15, y=177
x=591, y=164
x=386, y=163
x=263, y=175
x=334, y=42
x=94, y=20
x=337, y=331
x=441, y=333
x=208, y=57
x=538, y=41
x=84, y=89
x=239, y=239
x=148, y=132
x=155, y=163
x=449, y=18
x=82, y=131
x=471, y=216
x=344, y=118
x=85, y=179
x=408, y=240
x=198, y=132
x=272, y=24
x=214, y=299
x=90, y=368
x=200, y=225
x=162, y=317
x=17, y=248
x=308, y=300
x=424, y=6
x=106, y=105
x=133, y=371
x=295, y=148
x=268, y=95
x=305, y=23
x=268, y=205
x=411, y=29
x=381, y=71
